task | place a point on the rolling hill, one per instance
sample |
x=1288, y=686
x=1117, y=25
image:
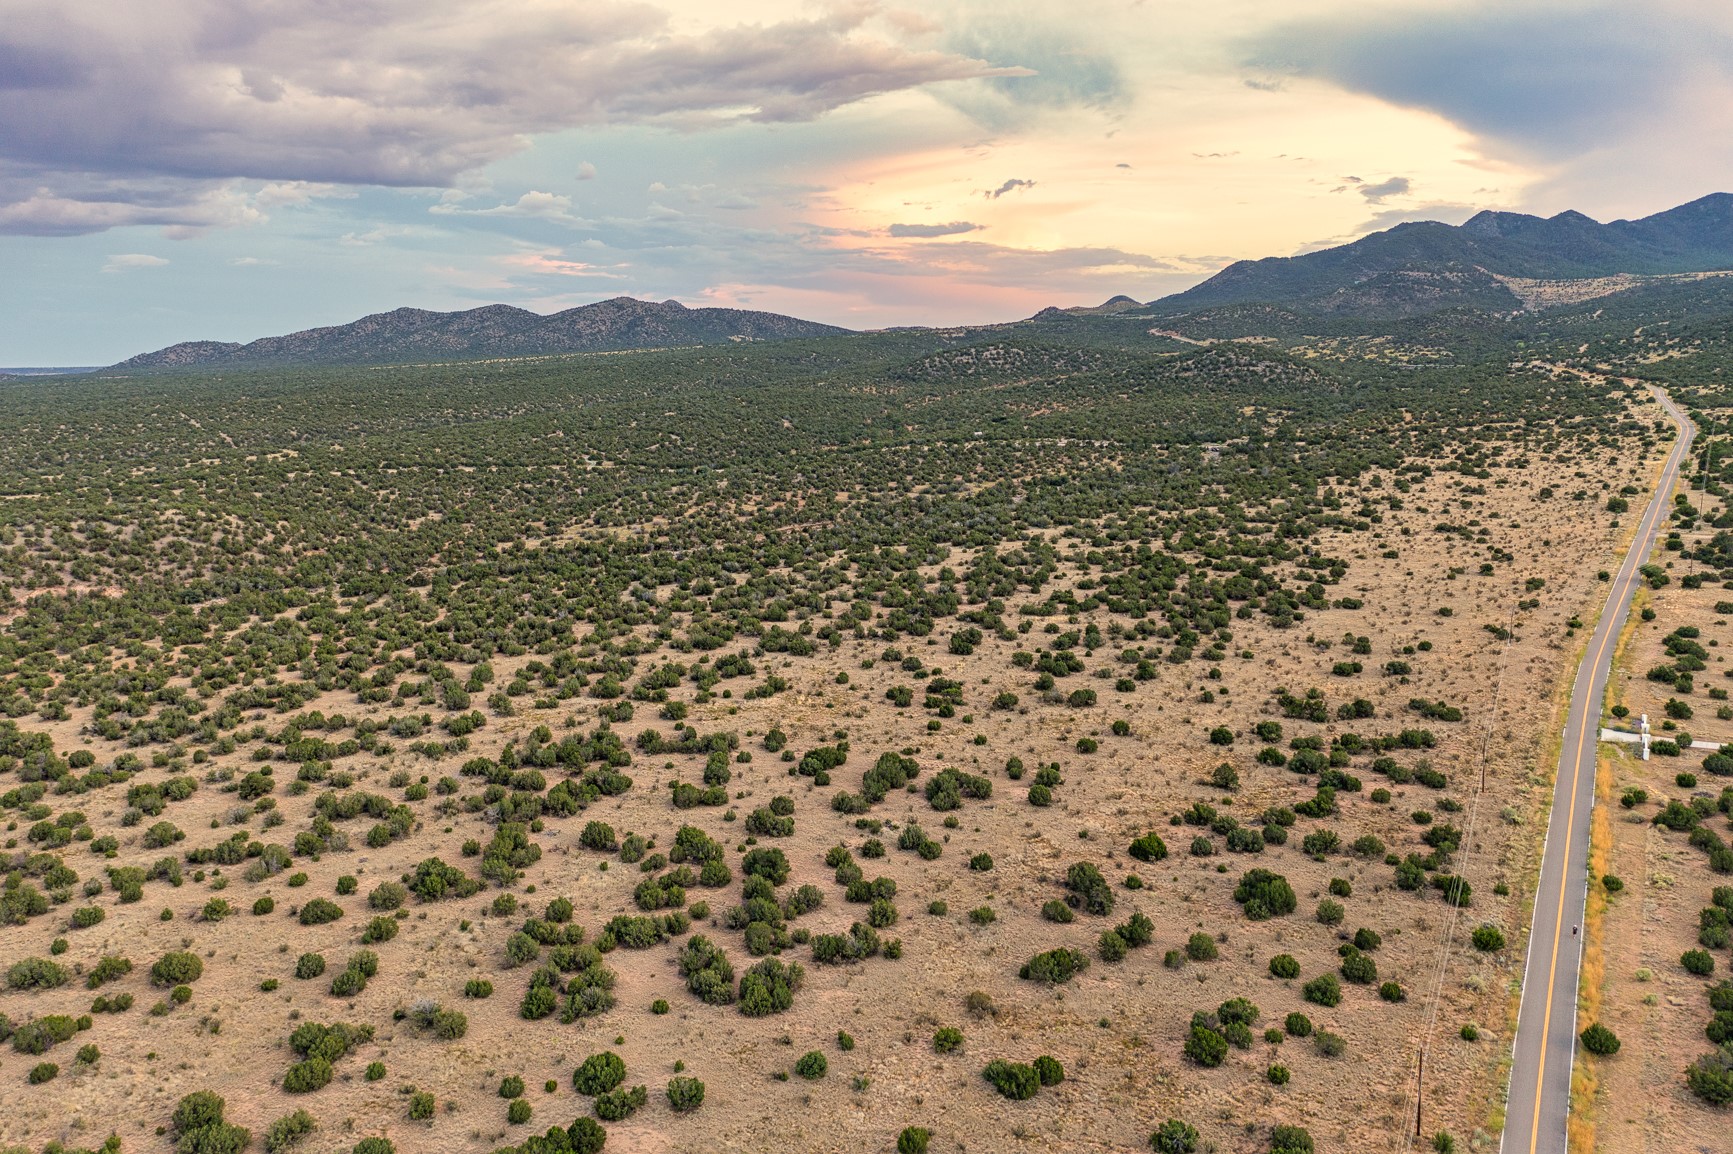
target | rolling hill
x=408, y=335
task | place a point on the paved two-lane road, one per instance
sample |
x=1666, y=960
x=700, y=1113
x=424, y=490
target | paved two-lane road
x=1540, y=1076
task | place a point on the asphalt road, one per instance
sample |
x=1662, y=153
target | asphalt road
x=1545, y=1044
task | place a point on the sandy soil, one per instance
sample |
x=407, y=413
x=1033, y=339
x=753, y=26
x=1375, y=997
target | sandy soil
x=1118, y=1029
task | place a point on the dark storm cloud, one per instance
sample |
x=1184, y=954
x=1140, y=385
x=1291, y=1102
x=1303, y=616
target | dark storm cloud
x=1549, y=78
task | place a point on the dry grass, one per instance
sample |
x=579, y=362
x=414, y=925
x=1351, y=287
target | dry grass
x=1124, y=1077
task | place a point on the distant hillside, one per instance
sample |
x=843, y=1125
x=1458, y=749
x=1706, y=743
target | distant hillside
x=407, y=335
x=1489, y=263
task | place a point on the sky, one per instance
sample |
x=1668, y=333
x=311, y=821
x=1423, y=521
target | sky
x=229, y=169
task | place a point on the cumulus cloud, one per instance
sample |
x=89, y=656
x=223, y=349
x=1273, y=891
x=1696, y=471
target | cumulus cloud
x=126, y=261
x=532, y=205
x=193, y=94
x=1048, y=66
x=586, y=170
x=1011, y=185
x=930, y=230
x=83, y=204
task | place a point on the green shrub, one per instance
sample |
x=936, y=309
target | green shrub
x=769, y=987
x=374, y=1146
x=421, y=1106
x=811, y=1065
x=478, y=988
x=348, y=983
x=518, y=1112
x=199, y=1125
x=1699, y=962
x=1323, y=990
x=1265, y=894
x=176, y=968
x=1149, y=848
x=685, y=1094
x=1012, y=1079
x=41, y=1035
x=1205, y=1046
x=319, y=911
x=913, y=1140
x=1089, y=890
x=598, y=835
x=1597, y=1039
x=264, y=905
x=1297, y=1025
x=306, y=1076
x=288, y=1130
x=1277, y=1075
x=1173, y=1137
x=1488, y=938
x=1200, y=947
x=585, y=1136
x=35, y=974
x=389, y=896
x=1710, y=1077
x=1359, y=968
x=618, y=1105
x=119, y=1004
x=445, y=1025
x=1284, y=966
x=43, y=1072
x=1290, y=1140
x=1054, y=967
x=599, y=1073
x=109, y=968
x=309, y=966
x=1049, y=1070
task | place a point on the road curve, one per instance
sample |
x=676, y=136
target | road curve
x=1545, y=1043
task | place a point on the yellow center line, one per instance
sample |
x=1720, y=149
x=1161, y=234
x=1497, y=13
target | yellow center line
x=1570, y=818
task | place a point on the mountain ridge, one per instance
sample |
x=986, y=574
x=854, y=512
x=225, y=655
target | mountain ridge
x=496, y=330
x=1425, y=266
